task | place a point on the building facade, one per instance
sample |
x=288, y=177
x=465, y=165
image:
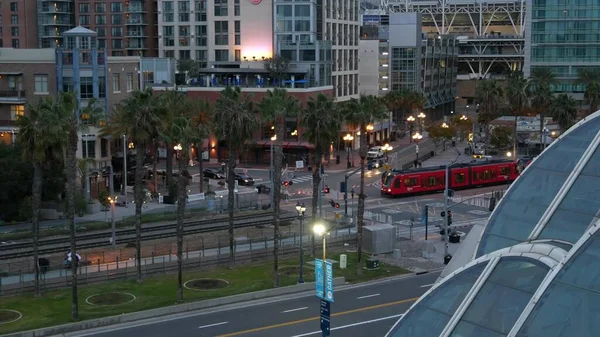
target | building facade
x=18, y=24
x=563, y=36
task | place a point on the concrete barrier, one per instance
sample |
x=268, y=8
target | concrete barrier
x=60, y=330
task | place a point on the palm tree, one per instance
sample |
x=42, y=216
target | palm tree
x=362, y=112
x=590, y=78
x=541, y=81
x=321, y=123
x=564, y=110
x=183, y=131
x=275, y=108
x=173, y=103
x=236, y=121
x=517, y=94
x=395, y=101
x=201, y=114
x=489, y=95
x=138, y=116
x=41, y=135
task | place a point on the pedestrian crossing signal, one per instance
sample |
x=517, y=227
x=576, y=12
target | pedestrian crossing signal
x=334, y=204
x=326, y=189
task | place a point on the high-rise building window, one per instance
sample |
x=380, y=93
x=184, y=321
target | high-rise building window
x=14, y=31
x=168, y=11
x=100, y=7
x=184, y=36
x=201, y=10
x=88, y=148
x=129, y=82
x=221, y=33
x=117, y=44
x=201, y=35
x=84, y=20
x=14, y=19
x=202, y=58
x=17, y=111
x=183, y=8
x=168, y=36
x=41, y=84
x=238, y=35
x=116, y=19
x=101, y=19
x=14, y=7
x=170, y=54
x=221, y=8
x=101, y=43
x=237, y=55
x=221, y=55
x=116, y=82
x=116, y=31
x=101, y=31
x=236, y=8
x=116, y=7
x=86, y=88
x=184, y=55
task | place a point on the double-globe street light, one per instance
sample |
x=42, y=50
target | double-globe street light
x=348, y=138
x=301, y=209
x=445, y=126
x=387, y=149
x=417, y=137
x=421, y=117
x=113, y=238
x=410, y=120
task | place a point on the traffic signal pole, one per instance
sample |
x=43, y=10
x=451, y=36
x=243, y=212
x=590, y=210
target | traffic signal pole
x=346, y=191
x=446, y=193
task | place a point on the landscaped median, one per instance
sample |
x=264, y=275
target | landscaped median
x=121, y=297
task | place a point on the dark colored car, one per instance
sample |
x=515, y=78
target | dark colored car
x=213, y=173
x=244, y=179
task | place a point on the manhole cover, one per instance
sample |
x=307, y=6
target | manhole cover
x=295, y=270
x=109, y=299
x=8, y=316
x=205, y=284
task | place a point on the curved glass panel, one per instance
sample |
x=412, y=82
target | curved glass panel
x=528, y=199
x=430, y=316
x=499, y=303
x=571, y=304
x=579, y=209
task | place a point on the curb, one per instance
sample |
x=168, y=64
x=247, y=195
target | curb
x=61, y=330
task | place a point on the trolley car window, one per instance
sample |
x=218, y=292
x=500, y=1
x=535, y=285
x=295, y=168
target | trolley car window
x=410, y=182
x=388, y=180
x=460, y=177
x=431, y=181
x=487, y=174
x=505, y=171
x=397, y=183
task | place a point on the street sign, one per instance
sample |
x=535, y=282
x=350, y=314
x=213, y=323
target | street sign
x=424, y=215
x=319, y=276
x=329, y=281
x=325, y=317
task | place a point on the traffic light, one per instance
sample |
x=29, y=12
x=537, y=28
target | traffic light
x=287, y=183
x=334, y=204
x=326, y=189
x=343, y=186
x=449, y=218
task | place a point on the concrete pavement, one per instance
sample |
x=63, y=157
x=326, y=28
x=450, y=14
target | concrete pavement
x=358, y=311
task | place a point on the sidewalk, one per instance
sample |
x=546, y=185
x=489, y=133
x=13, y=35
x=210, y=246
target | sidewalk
x=450, y=155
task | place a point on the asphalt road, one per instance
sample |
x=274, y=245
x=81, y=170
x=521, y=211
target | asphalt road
x=358, y=311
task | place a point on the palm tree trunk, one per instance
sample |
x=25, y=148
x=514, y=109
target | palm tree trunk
x=170, y=168
x=316, y=193
x=154, y=167
x=542, y=140
x=361, y=200
x=201, y=165
x=71, y=168
x=515, y=139
x=277, y=161
x=36, y=199
x=181, y=203
x=138, y=195
x=231, y=200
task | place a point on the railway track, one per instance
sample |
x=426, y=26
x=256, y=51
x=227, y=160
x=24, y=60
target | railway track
x=93, y=240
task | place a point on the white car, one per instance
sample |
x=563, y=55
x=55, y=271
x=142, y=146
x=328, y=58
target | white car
x=375, y=152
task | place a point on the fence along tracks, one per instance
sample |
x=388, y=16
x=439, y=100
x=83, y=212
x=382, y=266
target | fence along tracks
x=92, y=240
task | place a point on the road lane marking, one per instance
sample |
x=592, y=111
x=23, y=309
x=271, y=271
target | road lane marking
x=292, y=310
x=427, y=285
x=367, y=296
x=210, y=325
x=352, y=325
x=316, y=318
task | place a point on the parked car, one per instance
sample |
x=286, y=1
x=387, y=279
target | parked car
x=244, y=179
x=213, y=173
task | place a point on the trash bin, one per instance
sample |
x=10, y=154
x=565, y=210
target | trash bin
x=447, y=259
x=372, y=263
x=432, y=153
x=453, y=143
x=337, y=159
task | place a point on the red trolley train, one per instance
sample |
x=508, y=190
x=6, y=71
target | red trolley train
x=399, y=183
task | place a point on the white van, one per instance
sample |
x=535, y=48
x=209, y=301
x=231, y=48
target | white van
x=375, y=152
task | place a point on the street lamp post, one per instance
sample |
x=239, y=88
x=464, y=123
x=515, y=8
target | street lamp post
x=417, y=137
x=370, y=128
x=545, y=132
x=421, y=116
x=348, y=138
x=300, y=208
x=444, y=126
x=125, y=169
x=321, y=230
x=273, y=139
x=410, y=120
x=113, y=238
x=386, y=149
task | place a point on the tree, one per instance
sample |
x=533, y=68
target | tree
x=277, y=67
x=517, y=92
x=41, y=135
x=590, y=78
x=502, y=137
x=235, y=122
x=201, y=113
x=463, y=124
x=363, y=111
x=440, y=134
x=489, y=95
x=138, y=117
x=564, y=110
x=16, y=174
x=541, y=81
x=173, y=104
x=321, y=123
x=190, y=67
x=275, y=108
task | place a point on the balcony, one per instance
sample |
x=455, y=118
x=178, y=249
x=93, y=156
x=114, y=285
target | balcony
x=56, y=9
x=135, y=22
x=135, y=9
x=135, y=33
x=134, y=45
x=12, y=96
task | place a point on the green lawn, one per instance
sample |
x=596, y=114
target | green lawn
x=54, y=307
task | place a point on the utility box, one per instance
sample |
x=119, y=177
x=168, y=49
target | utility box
x=343, y=261
x=372, y=263
x=379, y=239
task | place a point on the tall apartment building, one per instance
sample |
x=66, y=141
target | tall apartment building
x=18, y=25
x=320, y=38
x=563, y=35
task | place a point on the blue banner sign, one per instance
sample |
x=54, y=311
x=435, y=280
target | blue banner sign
x=319, y=276
x=328, y=281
